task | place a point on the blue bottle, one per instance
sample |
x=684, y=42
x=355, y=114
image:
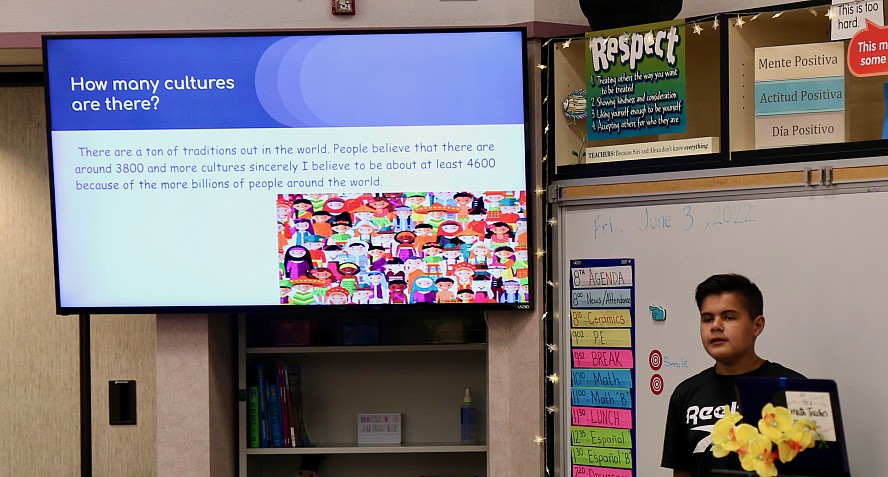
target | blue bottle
x=467, y=420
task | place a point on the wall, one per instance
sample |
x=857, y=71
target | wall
x=707, y=7
x=38, y=350
x=50, y=15
x=123, y=348
x=195, y=404
x=23, y=22
x=134, y=347
x=515, y=349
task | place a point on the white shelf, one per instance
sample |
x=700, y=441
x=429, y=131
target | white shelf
x=428, y=448
x=423, y=382
x=367, y=349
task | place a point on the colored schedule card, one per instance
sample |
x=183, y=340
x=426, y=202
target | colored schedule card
x=600, y=437
x=601, y=318
x=603, y=358
x=608, y=338
x=601, y=298
x=601, y=417
x=601, y=378
x=598, y=277
x=621, y=398
x=619, y=458
x=587, y=471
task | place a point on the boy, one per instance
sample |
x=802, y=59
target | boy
x=730, y=321
x=444, y=294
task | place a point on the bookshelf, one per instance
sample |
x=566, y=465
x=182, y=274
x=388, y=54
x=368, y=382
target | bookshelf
x=404, y=373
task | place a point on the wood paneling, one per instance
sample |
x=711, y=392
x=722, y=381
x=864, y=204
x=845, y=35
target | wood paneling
x=39, y=395
x=515, y=340
x=123, y=347
x=39, y=351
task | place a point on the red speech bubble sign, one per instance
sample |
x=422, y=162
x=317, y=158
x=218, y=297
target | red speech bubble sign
x=868, y=51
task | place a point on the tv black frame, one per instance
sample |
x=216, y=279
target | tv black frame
x=307, y=310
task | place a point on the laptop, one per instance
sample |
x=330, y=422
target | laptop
x=812, y=399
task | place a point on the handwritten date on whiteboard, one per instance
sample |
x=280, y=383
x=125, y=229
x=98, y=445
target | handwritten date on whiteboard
x=684, y=218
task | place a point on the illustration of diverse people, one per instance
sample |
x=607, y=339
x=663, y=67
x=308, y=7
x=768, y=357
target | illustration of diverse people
x=400, y=248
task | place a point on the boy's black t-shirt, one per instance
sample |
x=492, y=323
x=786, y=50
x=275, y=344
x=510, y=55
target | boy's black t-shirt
x=696, y=404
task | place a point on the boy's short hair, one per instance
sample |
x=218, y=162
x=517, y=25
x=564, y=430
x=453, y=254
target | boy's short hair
x=749, y=293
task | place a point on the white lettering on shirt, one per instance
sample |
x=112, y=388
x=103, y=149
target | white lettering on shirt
x=696, y=413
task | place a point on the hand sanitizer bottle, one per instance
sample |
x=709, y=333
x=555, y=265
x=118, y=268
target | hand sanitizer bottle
x=467, y=418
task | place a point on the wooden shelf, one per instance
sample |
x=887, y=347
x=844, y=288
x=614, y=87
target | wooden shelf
x=367, y=349
x=426, y=448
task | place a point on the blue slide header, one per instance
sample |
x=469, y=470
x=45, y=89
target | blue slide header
x=253, y=81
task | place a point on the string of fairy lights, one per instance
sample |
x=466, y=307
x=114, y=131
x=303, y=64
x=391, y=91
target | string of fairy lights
x=735, y=19
x=698, y=26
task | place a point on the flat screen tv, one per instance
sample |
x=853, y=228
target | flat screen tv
x=260, y=171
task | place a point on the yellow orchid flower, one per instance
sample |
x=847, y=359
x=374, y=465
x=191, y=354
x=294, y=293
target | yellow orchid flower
x=745, y=434
x=775, y=421
x=727, y=438
x=795, y=440
x=724, y=434
x=787, y=450
x=755, y=449
x=759, y=457
x=808, y=424
x=733, y=417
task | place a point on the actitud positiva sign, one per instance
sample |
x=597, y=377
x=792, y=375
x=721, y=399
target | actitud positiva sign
x=799, y=94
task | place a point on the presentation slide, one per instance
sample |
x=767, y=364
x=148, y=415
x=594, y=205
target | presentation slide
x=245, y=170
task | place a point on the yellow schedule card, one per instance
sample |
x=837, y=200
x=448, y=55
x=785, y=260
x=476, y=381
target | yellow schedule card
x=604, y=338
x=600, y=318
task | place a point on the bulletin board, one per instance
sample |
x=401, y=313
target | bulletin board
x=817, y=254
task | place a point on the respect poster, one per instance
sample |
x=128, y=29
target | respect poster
x=636, y=81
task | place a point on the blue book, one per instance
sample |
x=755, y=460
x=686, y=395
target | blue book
x=274, y=413
x=263, y=406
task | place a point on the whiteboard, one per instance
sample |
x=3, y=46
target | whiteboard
x=821, y=262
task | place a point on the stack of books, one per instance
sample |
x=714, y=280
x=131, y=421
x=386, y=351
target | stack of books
x=274, y=406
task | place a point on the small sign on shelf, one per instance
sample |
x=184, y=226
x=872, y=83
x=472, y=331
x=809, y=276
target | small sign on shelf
x=379, y=428
x=343, y=7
